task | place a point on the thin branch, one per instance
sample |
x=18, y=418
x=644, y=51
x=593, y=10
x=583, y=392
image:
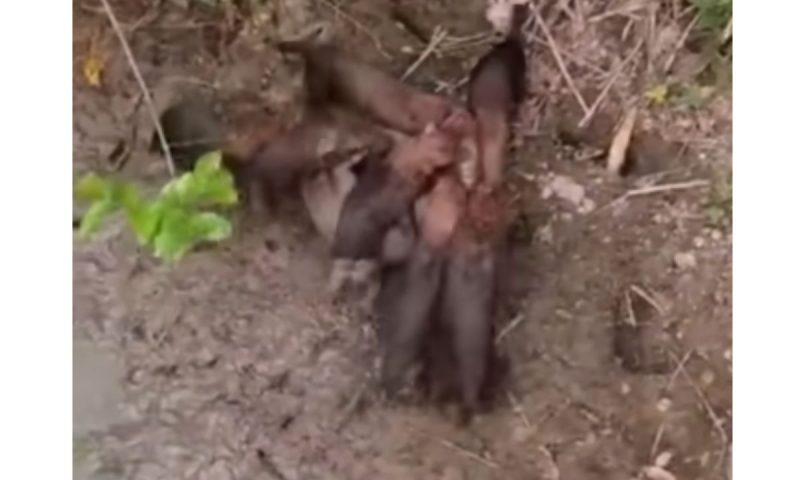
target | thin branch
x=609, y=83
x=358, y=25
x=681, y=42
x=148, y=99
x=638, y=192
x=438, y=36
x=560, y=61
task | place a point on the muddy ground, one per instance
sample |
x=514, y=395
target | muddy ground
x=236, y=364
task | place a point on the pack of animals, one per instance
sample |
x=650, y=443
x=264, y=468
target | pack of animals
x=412, y=183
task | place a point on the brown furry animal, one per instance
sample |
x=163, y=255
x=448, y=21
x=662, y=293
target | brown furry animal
x=333, y=75
x=410, y=291
x=386, y=190
x=496, y=87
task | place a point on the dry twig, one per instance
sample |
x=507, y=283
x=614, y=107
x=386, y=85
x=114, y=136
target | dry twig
x=438, y=36
x=469, y=454
x=148, y=99
x=639, y=192
x=621, y=141
x=681, y=41
x=718, y=422
x=517, y=407
x=644, y=295
x=507, y=329
x=609, y=83
x=337, y=9
x=560, y=61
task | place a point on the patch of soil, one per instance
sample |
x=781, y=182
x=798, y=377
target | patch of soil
x=239, y=365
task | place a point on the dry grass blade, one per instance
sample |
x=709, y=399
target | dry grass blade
x=718, y=422
x=358, y=26
x=621, y=141
x=560, y=61
x=439, y=34
x=148, y=99
x=469, y=454
x=609, y=83
x=639, y=192
x=681, y=41
x=508, y=328
x=667, y=188
x=647, y=297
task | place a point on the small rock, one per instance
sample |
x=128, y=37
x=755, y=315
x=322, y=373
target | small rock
x=716, y=235
x=547, y=192
x=699, y=242
x=664, y=405
x=567, y=189
x=657, y=473
x=663, y=459
x=625, y=389
x=521, y=434
x=685, y=260
x=728, y=354
x=586, y=206
x=707, y=378
x=545, y=234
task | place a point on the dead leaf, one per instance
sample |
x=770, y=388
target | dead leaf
x=619, y=145
x=658, y=94
x=94, y=64
x=93, y=70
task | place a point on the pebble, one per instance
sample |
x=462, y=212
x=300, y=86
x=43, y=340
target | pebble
x=716, y=235
x=685, y=260
x=663, y=459
x=657, y=473
x=521, y=434
x=625, y=389
x=707, y=377
x=567, y=189
x=699, y=242
x=664, y=405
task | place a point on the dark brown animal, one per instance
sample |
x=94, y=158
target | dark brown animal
x=321, y=141
x=386, y=190
x=410, y=290
x=464, y=342
x=333, y=75
x=496, y=87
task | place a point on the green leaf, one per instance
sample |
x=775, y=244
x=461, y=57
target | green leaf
x=207, y=185
x=95, y=215
x=211, y=227
x=174, y=237
x=144, y=220
x=92, y=187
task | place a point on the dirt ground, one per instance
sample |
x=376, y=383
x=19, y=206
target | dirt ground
x=236, y=364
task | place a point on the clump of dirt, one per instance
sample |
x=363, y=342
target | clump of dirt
x=238, y=364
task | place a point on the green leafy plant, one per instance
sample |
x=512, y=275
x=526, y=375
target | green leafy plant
x=176, y=220
x=713, y=14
